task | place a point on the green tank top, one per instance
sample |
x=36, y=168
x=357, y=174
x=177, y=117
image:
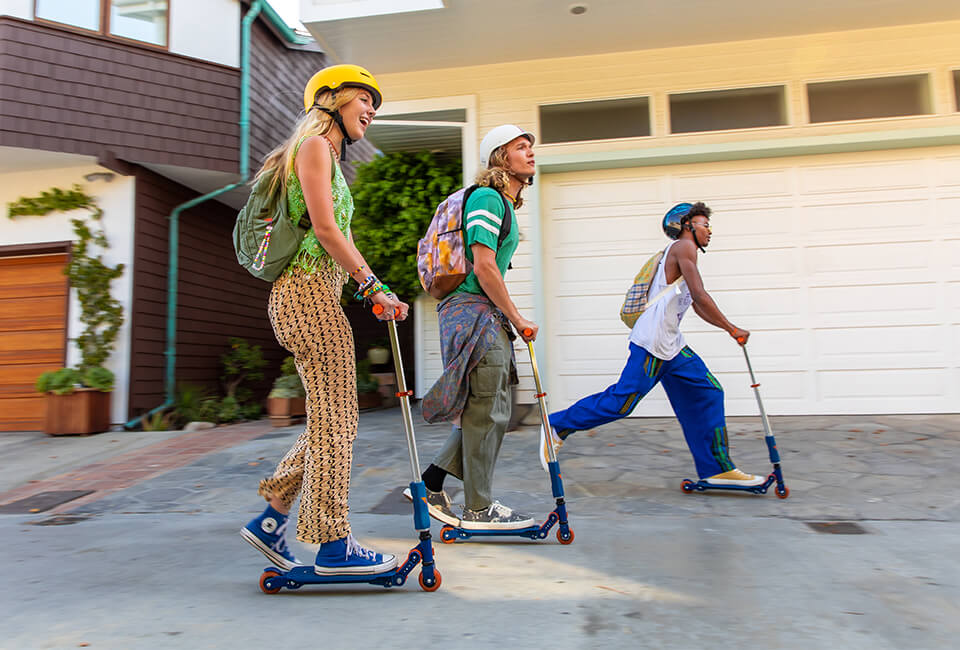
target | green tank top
x=311, y=256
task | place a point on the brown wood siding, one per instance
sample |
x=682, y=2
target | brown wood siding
x=217, y=298
x=33, y=322
x=278, y=75
x=70, y=92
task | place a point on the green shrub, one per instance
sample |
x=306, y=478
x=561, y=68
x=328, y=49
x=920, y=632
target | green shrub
x=60, y=381
x=99, y=378
x=395, y=196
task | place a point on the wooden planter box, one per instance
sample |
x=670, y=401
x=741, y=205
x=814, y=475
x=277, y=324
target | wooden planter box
x=284, y=411
x=369, y=400
x=83, y=411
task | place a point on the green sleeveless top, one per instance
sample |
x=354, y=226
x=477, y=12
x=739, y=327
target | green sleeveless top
x=311, y=256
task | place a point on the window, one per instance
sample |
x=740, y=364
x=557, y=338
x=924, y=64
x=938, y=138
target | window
x=718, y=110
x=864, y=99
x=138, y=20
x=956, y=90
x=595, y=120
x=79, y=13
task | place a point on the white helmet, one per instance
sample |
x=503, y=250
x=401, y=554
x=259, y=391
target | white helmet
x=499, y=136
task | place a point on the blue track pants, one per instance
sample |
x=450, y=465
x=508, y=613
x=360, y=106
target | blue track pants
x=694, y=394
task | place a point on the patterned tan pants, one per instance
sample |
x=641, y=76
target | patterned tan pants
x=308, y=321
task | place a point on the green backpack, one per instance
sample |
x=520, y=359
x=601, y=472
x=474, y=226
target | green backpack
x=264, y=237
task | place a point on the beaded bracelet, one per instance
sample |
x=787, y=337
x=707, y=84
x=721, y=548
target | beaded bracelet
x=369, y=281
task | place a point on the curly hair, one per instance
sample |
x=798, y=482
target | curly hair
x=497, y=176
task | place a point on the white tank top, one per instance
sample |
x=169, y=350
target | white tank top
x=658, y=329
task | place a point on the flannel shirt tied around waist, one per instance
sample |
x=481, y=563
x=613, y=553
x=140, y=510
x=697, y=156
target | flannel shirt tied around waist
x=469, y=325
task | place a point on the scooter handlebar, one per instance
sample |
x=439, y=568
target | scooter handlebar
x=378, y=309
x=528, y=332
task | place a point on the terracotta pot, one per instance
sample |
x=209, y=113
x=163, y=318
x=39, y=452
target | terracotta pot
x=83, y=411
x=284, y=411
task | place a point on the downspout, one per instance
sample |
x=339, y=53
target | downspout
x=170, y=352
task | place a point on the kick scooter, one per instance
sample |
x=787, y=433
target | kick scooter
x=776, y=476
x=274, y=579
x=450, y=534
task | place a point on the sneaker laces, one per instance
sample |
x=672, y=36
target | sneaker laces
x=497, y=508
x=354, y=548
x=280, y=545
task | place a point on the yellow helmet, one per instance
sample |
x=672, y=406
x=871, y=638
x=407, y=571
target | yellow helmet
x=337, y=76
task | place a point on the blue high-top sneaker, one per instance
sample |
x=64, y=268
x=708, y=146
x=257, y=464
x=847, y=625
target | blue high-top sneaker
x=346, y=557
x=266, y=533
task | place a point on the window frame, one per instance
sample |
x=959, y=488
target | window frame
x=786, y=99
x=930, y=96
x=648, y=97
x=104, y=29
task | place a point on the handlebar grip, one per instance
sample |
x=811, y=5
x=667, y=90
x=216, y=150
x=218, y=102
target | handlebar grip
x=741, y=340
x=378, y=309
x=528, y=332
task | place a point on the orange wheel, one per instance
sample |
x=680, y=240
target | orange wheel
x=443, y=535
x=568, y=539
x=687, y=486
x=786, y=492
x=437, y=579
x=263, y=582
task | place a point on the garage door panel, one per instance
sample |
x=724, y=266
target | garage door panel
x=614, y=191
x=881, y=348
x=900, y=386
x=946, y=171
x=19, y=379
x=830, y=264
x=761, y=183
x=873, y=222
x=875, y=305
x=871, y=263
x=860, y=177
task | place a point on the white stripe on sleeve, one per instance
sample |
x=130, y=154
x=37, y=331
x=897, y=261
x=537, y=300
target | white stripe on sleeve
x=483, y=224
x=485, y=213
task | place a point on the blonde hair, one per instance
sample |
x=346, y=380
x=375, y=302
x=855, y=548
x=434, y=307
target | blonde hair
x=497, y=176
x=279, y=162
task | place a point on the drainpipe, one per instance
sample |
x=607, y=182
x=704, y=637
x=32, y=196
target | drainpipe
x=169, y=381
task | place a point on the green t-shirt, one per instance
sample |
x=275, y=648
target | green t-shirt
x=482, y=218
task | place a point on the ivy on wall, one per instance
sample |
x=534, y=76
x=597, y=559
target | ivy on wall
x=100, y=313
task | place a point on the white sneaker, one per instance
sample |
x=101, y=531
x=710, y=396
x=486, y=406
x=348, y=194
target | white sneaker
x=546, y=439
x=439, y=506
x=496, y=517
x=736, y=477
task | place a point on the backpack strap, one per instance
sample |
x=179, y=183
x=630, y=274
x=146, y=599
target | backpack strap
x=505, y=226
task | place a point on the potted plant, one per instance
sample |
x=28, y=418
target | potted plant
x=287, y=399
x=78, y=399
x=368, y=395
x=378, y=353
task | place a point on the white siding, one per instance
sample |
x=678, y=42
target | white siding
x=206, y=29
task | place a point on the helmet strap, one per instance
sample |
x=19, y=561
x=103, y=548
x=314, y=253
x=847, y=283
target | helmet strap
x=338, y=120
x=696, y=240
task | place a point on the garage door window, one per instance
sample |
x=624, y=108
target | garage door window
x=597, y=120
x=864, y=99
x=718, y=110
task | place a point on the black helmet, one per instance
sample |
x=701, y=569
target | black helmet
x=673, y=220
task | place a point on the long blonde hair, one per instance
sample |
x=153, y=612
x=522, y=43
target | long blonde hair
x=313, y=122
x=497, y=176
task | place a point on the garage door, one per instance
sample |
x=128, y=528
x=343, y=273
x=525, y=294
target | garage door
x=33, y=310
x=845, y=267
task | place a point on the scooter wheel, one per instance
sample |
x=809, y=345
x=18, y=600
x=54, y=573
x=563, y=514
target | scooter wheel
x=263, y=582
x=785, y=493
x=448, y=535
x=687, y=486
x=565, y=539
x=434, y=585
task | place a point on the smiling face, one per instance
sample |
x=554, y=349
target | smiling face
x=519, y=158
x=357, y=114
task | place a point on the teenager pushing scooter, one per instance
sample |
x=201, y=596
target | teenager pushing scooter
x=659, y=354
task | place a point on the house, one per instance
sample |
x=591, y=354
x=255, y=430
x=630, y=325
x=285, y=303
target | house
x=826, y=137
x=141, y=104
